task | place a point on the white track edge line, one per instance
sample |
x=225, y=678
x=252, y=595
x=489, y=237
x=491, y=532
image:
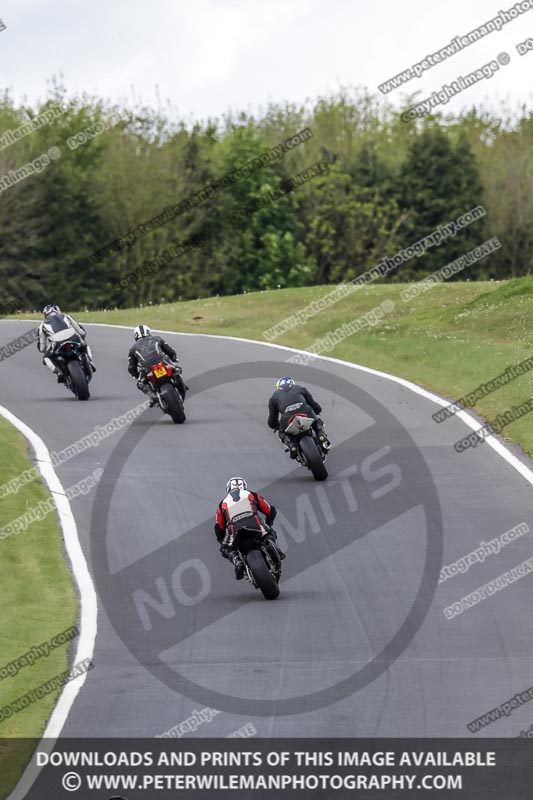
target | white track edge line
x=468, y=419
x=69, y=525
x=85, y=586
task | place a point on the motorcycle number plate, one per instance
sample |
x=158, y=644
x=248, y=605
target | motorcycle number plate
x=159, y=372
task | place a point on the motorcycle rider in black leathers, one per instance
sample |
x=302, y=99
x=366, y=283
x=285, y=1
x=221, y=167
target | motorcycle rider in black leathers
x=240, y=508
x=54, y=322
x=288, y=399
x=147, y=351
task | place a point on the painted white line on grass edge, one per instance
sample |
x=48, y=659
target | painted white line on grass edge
x=85, y=586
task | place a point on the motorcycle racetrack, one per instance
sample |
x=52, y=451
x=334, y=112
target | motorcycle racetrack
x=368, y=637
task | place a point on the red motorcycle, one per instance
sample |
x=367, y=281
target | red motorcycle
x=163, y=379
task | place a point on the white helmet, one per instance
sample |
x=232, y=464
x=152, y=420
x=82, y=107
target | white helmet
x=140, y=331
x=47, y=310
x=236, y=483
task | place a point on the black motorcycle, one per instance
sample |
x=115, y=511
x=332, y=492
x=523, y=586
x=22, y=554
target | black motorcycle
x=310, y=452
x=163, y=381
x=71, y=359
x=261, y=561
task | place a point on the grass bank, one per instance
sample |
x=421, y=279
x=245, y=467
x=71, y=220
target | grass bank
x=449, y=339
x=39, y=602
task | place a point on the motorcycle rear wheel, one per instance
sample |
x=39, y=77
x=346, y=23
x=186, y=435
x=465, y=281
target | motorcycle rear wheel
x=263, y=576
x=314, y=460
x=79, y=381
x=173, y=403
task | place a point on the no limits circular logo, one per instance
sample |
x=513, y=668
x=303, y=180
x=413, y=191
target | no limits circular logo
x=381, y=464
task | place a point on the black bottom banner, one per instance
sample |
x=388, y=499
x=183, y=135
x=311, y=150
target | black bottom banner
x=325, y=769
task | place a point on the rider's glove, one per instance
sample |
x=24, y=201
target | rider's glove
x=272, y=516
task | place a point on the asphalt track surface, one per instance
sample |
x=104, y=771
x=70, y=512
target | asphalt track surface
x=357, y=643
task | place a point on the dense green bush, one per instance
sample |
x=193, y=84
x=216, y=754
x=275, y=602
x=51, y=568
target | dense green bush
x=384, y=185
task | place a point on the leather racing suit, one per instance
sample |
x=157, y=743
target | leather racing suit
x=240, y=508
x=284, y=404
x=56, y=323
x=144, y=354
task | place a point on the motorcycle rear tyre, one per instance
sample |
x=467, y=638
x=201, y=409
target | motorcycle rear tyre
x=263, y=576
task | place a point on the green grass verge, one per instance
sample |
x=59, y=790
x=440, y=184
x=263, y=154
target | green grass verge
x=450, y=339
x=39, y=602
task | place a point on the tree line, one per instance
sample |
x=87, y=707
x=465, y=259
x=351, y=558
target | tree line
x=78, y=175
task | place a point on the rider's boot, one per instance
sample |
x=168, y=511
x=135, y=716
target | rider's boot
x=57, y=372
x=148, y=391
x=290, y=445
x=90, y=358
x=182, y=387
x=321, y=434
x=272, y=538
x=238, y=563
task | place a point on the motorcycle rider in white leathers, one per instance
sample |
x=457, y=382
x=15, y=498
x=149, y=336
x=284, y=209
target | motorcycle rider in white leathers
x=53, y=322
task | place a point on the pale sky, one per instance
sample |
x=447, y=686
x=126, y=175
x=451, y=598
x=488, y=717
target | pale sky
x=207, y=56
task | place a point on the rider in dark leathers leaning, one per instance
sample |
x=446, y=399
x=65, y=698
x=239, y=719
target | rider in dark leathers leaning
x=147, y=351
x=289, y=399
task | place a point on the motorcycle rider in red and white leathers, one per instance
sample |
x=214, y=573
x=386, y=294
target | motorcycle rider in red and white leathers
x=240, y=508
